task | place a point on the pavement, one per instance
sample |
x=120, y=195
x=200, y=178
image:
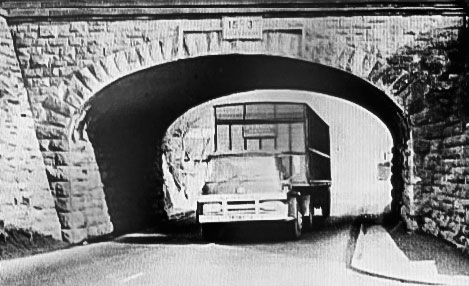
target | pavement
x=376, y=254
x=259, y=256
x=254, y=255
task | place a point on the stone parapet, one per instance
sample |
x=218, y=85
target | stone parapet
x=32, y=10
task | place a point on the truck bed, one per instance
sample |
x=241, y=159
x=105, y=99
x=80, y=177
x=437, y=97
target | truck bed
x=292, y=132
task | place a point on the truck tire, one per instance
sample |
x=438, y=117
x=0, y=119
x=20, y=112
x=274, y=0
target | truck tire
x=297, y=224
x=326, y=203
x=210, y=232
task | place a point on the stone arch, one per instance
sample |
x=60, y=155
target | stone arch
x=77, y=94
x=397, y=125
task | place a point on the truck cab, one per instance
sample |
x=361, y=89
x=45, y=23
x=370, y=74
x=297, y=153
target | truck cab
x=268, y=165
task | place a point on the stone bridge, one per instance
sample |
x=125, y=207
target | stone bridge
x=87, y=92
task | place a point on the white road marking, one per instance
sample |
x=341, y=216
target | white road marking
x=132, y=277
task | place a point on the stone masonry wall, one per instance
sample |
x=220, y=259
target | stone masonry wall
x=443, y=159
x=25, y=199
x=416, y=60
x=69, y=172
x=431, y=80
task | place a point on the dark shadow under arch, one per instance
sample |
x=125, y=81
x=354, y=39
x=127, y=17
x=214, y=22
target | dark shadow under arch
x=128, y=118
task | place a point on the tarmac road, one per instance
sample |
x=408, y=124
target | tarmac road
x=254, y=255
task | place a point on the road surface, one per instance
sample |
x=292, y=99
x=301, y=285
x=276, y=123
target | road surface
x=256, y=256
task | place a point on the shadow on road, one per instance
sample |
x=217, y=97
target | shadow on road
x=188, y=232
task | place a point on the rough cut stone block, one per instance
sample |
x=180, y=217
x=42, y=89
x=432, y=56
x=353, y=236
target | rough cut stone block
x=42, y=200
x=446, y=207
x=87, y=186
x=62, y=159
x=121, y=62
x=453, y=130
x=457, y=152
x=73, y=99
x=64, y=32
x=79, y=87
x=80, y=146
x=61, y=189
x=109, y=66
x=97, y=194
x=34, y=72
x=421, y=146
x=89, y=79
x=94, y=231
x=79, y=27
x=63, y=205
x=40, y=61
x=71, y=220
x=58, y=42
x=84, y=158
x=50, y=132
x=459, y=140
x=156, y=53
x=55, y=104
x=76, y=41
x=57, y=119
x=24, y=43
x=143, y=53
x=101, y=229
x=100, y=74
x=78, y=203
x=97, y=27
x=57, y=145
x=56, y=174
x=74, y=235
x=48, y=31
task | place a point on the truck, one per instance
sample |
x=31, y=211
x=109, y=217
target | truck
x=271, y=162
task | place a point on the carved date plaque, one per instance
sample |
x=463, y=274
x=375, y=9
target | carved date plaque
x=235, y=28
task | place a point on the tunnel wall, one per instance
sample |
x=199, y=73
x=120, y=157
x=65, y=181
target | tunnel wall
x=418, y=61
x=128, y=161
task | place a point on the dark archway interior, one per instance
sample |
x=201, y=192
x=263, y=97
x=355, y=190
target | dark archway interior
x=128, y=118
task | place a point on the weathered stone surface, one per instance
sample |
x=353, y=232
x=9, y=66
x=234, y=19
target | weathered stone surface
x=413, y=59
x=48, y=131
x=61, y=189
x=26, y=201
x=57, y=145
x=72, y=220
x=75, y=235
x=57, y=105
x=63, y=204
x=47, y=31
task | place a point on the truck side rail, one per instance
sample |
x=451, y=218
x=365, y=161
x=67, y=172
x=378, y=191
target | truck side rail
x=319, y=153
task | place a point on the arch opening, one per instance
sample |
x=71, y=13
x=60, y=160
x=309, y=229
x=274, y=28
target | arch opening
x=127, y=120
x=360, y=151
